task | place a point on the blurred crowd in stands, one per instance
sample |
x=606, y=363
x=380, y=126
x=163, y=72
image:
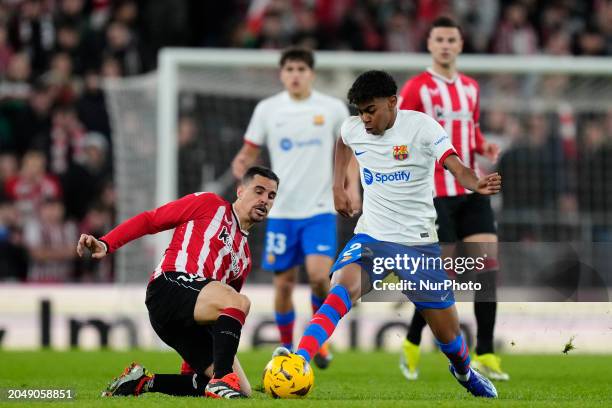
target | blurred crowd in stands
x=55, y=138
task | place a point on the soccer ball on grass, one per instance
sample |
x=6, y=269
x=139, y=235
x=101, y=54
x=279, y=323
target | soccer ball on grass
x=288, y=377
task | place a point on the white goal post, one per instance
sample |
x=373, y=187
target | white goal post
x=221, y=86
x=172, y=60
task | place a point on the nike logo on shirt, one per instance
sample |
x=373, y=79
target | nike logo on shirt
x=359, y=153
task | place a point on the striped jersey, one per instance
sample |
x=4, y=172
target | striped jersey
x=207, y=240
x=455, y=104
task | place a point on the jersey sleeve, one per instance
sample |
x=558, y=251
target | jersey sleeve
x=436, y=140
x=191, y=207
x=479, y=138
x=256, y=131
x=410, y=97
x=346, y=129
x=342, y=113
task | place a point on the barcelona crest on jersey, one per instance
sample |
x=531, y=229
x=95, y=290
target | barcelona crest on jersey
x=318, y=120
x=400, y=152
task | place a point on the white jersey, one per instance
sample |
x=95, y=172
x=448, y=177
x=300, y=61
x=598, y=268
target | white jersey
x=300, y=136
x=397, y=175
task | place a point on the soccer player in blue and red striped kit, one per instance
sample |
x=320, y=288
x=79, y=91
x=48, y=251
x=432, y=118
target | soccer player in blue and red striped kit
x=396, y=211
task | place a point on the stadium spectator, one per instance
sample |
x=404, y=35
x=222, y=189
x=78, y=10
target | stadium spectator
x=359, y=32
x=32, y=185
x=122, y=45
x=594, y=174
x=590, y=42
x=50, y=243
x=84, y=181
x=190, y=159
x=8, y=169
x=6, y=52
x=479, y=18
x=91, y=106
x=516, y=35
x=96, y=222
x=31, y=31
x=15, y=85
x=66, y=141
x=13, y=257
x=31, y=125
x=401, y=35
x=534, y=180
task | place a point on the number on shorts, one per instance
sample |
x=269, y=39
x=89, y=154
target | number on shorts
x=276, y=243
x=349, y=252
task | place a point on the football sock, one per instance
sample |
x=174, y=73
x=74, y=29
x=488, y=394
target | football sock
x=324, y=322
x=315, y=302
x=226, y=336
x=416, y=328
x=186, y=368
x=285, y=323
x=458, y=354
x=485, y=310
x=177, y=384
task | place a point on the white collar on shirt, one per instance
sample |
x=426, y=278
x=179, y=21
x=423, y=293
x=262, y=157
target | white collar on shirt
x=443, y=78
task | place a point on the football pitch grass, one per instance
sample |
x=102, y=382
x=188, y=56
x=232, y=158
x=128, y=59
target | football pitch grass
x=355, y=379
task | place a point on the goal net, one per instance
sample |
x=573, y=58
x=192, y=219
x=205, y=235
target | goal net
x=176, y=131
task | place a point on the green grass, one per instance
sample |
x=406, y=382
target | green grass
x=354, y=380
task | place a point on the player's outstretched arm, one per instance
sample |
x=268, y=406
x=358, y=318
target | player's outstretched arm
x=487, y=185
x=245, y=158
x=97, y=247
x=342, y=200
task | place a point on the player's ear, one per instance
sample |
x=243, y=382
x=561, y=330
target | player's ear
x=392, y=102
x=240, y=190
x=429, y=43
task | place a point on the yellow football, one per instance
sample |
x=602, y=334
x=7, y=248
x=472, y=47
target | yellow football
x=288, y=377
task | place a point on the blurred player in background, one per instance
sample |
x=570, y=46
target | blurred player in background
x=299, y=126
x=389, y=143
x=193, y=295
x=452, y=99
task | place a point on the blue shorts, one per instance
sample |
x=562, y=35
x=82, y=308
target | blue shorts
x=288, y=241
x=370, y=253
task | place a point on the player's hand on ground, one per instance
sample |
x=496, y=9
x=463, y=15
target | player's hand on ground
x=489, y=184
x=342, y=202
x=97, y=248
x=491, y=152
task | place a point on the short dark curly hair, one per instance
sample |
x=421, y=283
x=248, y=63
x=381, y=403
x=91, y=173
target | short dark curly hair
x=370, y=85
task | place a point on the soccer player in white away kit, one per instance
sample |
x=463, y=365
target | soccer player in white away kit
x=396, y=152
x=299, y=126
x=452, y=98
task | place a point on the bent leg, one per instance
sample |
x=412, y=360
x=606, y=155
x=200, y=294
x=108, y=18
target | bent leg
x=444, y=323
x=228, y=309
x=317, y=268
x=346, y=289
